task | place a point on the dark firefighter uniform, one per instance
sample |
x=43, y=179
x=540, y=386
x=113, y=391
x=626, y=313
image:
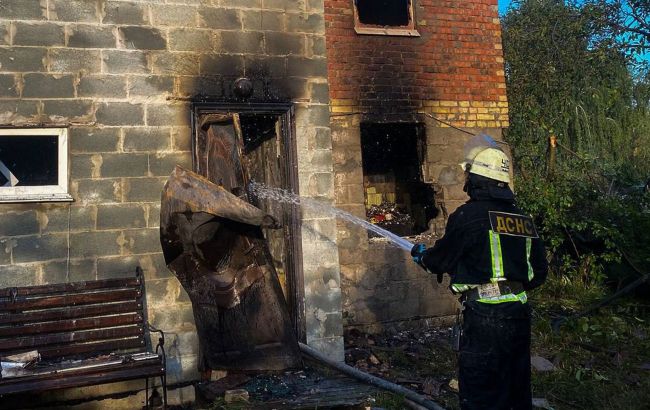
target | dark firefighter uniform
x=492, y=252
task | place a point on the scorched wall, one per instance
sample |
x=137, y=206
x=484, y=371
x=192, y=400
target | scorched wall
x=451, y=71
x=120, y=76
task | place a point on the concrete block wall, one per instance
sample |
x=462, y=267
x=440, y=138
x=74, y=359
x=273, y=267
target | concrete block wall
x=119, y=74
x=445, y=150
x=323, y=313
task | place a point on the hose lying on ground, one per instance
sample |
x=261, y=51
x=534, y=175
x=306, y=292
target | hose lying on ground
x=370, y=379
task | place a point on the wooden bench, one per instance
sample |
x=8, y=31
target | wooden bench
x=86, y=333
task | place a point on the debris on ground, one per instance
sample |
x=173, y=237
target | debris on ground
x=213, y=390
x=541, y=403
x=453, y=385
x=419, y=359
x=267, y=387
x=541, y=364
x=311, y=387
x=231, y=396
x=431, y=387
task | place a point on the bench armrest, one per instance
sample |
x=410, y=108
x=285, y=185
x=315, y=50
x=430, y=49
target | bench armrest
x=161, y=342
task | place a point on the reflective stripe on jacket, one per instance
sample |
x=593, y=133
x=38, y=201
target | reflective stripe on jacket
x=472, y=253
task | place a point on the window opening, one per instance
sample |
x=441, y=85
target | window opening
x=396, y=197
x=389, y=17
x=384, y=12
x=33, y=165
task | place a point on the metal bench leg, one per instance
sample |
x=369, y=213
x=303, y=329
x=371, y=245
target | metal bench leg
x=163, y=380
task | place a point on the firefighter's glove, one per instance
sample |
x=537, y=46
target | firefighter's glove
x=417, y=252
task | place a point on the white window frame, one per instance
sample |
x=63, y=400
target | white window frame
x=41, y=193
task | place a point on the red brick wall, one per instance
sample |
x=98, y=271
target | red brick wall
x=457, y=58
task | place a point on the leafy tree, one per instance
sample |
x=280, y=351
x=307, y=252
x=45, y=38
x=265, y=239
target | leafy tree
x=629, y=21
x=569, y=74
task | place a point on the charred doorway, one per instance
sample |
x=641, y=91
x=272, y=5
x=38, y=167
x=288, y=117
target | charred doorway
x=396, y=197
x=269, y=155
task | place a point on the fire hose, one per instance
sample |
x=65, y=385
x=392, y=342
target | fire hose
x=370, y=379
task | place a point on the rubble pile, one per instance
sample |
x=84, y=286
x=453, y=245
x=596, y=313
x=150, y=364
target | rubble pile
x=391, y=217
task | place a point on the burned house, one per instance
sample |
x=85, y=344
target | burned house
x=361, y=104
x=409, y=82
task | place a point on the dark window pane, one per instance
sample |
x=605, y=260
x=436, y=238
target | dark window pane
x=384, y=12
x=32, y=159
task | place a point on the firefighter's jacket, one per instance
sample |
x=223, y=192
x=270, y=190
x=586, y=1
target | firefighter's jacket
x=476, y=251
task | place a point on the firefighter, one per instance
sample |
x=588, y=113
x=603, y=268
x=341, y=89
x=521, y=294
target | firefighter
x=494, y=256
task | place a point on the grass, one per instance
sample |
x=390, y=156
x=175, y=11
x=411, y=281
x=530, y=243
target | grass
x=386, y=400
x=598, y=357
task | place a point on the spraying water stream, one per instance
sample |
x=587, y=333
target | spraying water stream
x=262, y=191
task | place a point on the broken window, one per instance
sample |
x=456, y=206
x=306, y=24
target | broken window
x=34, y=165
x=390, y=17
x=396, y=197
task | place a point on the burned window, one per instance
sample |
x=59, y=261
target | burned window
x=33, y=165
x=396, y=197
x=391, y=17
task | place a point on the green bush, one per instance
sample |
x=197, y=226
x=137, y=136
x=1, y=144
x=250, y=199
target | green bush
x=590, y=234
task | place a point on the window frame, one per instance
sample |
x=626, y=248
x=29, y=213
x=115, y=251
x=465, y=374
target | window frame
x=408, y=30
x=41, y=193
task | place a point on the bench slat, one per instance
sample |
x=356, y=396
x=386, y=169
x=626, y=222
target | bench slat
x=80, y=366
x=79, y=349
x=69, y=337
x=70, y=300
x=70, y=312
x=82, y=320
x=72, y=324
x=84, y=378
x=129, y=282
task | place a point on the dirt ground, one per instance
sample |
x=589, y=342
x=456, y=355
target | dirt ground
x=421, y=360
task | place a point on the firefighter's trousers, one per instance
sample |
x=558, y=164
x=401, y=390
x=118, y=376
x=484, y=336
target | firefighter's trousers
x=494, y=359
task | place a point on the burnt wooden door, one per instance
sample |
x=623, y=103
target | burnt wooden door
x=257, y=334
x=268, y=155
x=264, y=163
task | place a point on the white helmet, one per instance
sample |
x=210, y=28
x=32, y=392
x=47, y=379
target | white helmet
x=484, y=157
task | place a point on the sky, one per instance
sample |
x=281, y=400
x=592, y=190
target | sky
x=503, y=6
